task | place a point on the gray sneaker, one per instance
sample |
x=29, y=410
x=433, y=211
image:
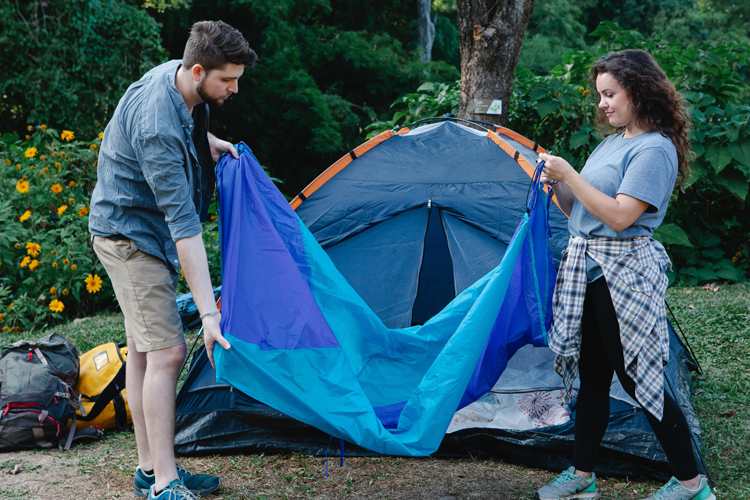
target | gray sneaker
x=674, y=490
x=568, y=486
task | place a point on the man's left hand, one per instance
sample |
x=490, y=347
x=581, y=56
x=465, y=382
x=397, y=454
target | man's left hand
x=219, y=146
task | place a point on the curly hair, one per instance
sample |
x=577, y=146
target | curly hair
x=656, y=103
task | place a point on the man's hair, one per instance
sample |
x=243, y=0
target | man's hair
x=212, y=44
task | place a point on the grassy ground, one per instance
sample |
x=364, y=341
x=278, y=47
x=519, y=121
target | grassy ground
x=717, y=325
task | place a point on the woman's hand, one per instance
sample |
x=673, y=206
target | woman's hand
x=556, y=169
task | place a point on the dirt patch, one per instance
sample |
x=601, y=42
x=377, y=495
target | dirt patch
x=104, y=470
x=36, y=474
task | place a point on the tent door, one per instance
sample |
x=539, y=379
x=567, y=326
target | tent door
x=436, y=287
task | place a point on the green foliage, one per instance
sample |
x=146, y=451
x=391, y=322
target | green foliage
x=325, y=70
x=430, y=100
x=708, y=221
x=69, y=61
x=48, y=271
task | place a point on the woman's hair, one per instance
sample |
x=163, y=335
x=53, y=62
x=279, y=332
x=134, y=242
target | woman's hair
x=656, y=103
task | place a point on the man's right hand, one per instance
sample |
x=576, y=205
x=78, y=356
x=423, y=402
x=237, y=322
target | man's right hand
x=211, y=335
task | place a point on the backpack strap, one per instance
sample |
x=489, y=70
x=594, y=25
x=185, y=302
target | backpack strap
x=110, y=393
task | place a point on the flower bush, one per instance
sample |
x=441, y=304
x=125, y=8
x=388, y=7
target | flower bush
x=48, y=270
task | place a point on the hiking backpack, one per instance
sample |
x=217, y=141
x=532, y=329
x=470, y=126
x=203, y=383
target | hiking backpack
x=101, y=384
x=37, y=393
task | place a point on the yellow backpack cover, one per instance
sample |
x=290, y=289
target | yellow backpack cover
x=101, y=384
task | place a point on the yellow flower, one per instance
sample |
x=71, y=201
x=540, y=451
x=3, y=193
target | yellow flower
x=67, y=135
x=7, y=162
x=83, y=211
x=73, y=267
x=101, y=136
x=65, y=292
x=93, y=283
x=25, y=216
x=53, y=291
x=22, y=186
x=66, y=261
x=24, y=262
x=30, y=127
x=56, y=306
x=43, y=126
x=71, y=184
x=30, y=152
x=54, y=264
x=33, y=248
x=93, y=146
x=56, y=188
x=61, y=210
x=33, y=264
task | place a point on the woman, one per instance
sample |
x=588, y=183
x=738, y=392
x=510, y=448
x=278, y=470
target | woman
x=608, y=314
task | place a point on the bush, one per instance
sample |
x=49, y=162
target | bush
x=71, y=60
x=48, y=271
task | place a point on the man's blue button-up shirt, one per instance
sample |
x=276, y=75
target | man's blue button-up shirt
x=149, y=180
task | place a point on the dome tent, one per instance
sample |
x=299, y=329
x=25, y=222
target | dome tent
x=412, y=218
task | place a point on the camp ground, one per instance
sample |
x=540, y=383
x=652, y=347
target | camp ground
x=412, y=219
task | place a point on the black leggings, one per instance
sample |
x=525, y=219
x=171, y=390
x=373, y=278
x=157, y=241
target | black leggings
x=601, y=356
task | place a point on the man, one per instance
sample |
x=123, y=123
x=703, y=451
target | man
x=155, y=180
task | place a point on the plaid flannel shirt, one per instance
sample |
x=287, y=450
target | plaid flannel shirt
x=635, y=271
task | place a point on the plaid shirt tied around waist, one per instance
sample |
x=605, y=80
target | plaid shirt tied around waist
x=635, y=271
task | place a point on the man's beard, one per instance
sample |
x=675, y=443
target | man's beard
x=210, y=100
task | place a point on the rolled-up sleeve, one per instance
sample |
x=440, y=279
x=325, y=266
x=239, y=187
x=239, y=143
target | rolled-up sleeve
x=163, y=165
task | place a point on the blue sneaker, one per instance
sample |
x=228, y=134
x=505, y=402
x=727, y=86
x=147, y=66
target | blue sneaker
x=674, y=490
x=175, y=490
x=199, y=484
x=568, y=486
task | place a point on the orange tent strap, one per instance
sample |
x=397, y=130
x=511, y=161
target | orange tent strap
x=520, y=159
x=519, y=138
x=338, y=166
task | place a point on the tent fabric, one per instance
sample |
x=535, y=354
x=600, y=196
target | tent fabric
x=306, y=344
x=373, y=228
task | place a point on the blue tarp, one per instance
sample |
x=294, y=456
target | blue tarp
x=305, y=343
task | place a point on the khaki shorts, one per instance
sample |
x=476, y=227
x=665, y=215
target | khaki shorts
x=145, y=290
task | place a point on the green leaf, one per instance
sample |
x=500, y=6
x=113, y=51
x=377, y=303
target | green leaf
x=546, y=108
x=735, y=183
x=579, y=138
x=741, y=152
x=426, y=87
x=719, y=157
x=726, y=270
x=672, y=234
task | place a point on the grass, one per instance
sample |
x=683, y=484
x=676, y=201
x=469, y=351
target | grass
x=716, y=321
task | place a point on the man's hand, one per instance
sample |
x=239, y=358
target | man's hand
x=211, y=335
x=219, y=146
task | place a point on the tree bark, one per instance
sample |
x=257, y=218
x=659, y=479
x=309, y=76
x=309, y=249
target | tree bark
x=491, y=37
x=426, y=30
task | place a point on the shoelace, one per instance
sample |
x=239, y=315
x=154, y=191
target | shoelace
x=181, y=491
x=564, y=477
x=664, y=490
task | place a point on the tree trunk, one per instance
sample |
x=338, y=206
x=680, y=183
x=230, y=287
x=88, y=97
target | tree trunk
x=491, y=37
x=426, y=30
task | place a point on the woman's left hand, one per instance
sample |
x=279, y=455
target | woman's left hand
x=556, y=168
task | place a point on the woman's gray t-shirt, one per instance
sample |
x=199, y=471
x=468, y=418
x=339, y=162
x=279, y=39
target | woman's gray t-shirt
x=644, y=167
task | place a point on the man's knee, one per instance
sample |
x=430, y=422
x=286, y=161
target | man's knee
x=170, y=358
